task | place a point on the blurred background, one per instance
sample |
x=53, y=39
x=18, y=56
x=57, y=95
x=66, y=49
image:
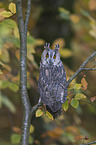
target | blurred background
x=72, y=24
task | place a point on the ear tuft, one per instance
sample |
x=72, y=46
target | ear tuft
x=47, y=45
x=57, y=47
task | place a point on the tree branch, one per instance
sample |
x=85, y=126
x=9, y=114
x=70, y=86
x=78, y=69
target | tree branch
x=94, y=142
x=81, y=68
x=23, y=73
x=11, y=81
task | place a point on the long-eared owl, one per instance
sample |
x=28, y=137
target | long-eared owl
x=52, y=82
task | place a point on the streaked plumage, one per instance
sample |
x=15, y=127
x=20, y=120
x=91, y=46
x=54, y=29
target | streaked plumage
x=52, y=81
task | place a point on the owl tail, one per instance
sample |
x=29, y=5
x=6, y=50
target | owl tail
x=54, y=114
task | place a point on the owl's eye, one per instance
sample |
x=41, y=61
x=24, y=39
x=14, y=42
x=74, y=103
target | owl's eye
x=54, y=57
x=47, y=55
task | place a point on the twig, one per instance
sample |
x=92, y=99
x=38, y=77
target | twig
x=11, y=81
x=81, y=67
x=36, y=106
x=94, y=142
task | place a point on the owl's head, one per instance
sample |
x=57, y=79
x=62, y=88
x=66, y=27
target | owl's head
x=50, y=56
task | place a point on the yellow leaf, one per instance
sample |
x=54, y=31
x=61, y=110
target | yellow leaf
x=84, y=83
x=77, y=86
x=80, y=96
x=12, y=7
x=65, y=53
x=39, y=113
x=31, y=128
x=6, y=14
x=49, y=115
x=74, y=18
x=65, y=105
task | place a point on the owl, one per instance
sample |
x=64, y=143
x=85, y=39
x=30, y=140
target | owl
x=52, y=83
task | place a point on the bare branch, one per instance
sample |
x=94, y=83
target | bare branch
x=81, y=67
x=94, y=142
x=11, y=81
x=27, y=14
x=36, y=106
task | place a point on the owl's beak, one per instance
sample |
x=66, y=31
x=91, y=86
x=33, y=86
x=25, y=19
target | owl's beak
x=50, y=62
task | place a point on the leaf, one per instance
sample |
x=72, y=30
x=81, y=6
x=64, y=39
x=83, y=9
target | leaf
x=12, y=7
x=74, y=103
x=30, y=139
x=65, y=105
x=15, y=138
x=13, y=87
x=30, y=40
x=9, y=23
x=55, y=133
x=8, y=104
x=92, y=33
x=85, y=13
x=16, y=130
x=93, y=99
x=77, y=86
x=49, y=115
x=74, y=18
x=31, y=129
x=84, y=83
x=65, y=53
x=6, y=14
x=3, y=84
x=65, y=14
x=1, y=72
x=78, y=137
x=80, y=96
x=5, y=56
x=60, y=41
x=92, y=5
x=39, y=113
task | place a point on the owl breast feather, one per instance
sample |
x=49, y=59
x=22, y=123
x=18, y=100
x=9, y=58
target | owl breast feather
x=52, y=87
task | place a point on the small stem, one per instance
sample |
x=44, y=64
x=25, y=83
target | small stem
x=94, y=142
x=81, y=67
x=11, y=81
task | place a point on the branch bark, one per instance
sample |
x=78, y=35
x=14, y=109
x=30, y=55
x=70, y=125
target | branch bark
x=94, y=142
x=82, y=68
x=23, y=27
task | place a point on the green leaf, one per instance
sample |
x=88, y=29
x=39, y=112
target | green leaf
x=80, y=96
x=65, y=105
x=30, y=139
x=8, y=104
x=12, y=7
x=39, y=113
x=9, y=23
x=6, y=13
x=3, y=84
x=13, y=87
x=85, y=13
x=74, y=103
x=15, y=138
x=49, y=115
x=30, y=39
x=65, y=14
